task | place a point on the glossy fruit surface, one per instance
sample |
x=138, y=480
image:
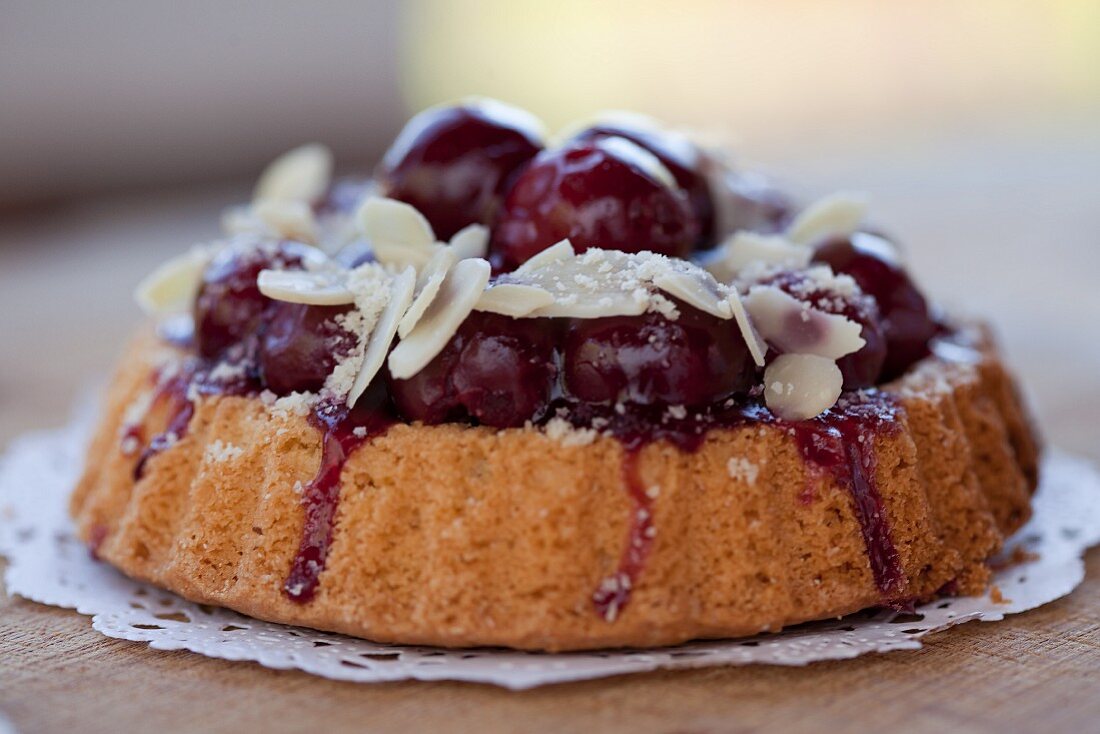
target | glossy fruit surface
x=859, y=369
x=680, y=156
x=229, y=304
x=299, y=346
x=604, y=193
x=647, y=359
x=497, y=370
x=454, y=164
x=907, y=324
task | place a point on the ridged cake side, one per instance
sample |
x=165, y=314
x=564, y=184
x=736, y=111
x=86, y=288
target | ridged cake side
x=459, y=536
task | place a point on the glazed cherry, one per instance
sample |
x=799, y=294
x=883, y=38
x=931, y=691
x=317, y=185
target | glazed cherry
x=693, y=360
x=299, y=345
x=455, y=164
x=229, y=303
x=602, y=193
x=859, y=369
x=680, y=156
x=907, y=324
x=747, y=200
x=497, y=370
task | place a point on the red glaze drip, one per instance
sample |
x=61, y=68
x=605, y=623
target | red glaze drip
x=180, y=410
x=614, y=591
x=178, y=390
x=841, y=442
x=321, y=496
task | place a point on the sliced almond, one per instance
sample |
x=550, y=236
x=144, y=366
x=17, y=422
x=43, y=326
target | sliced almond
x=292, y=220
x=392, y=221
x=513, y=299
x=595, y=284
x=427, y=286
x=319, y=288
x=792, y=325
x=459, y=293
x=798, y=387
x=471, y=241
x=836, y=215
x=756, y=344
x=551, y=254
x=696, y=288
x=302, y=174
x=402, y=288
x=744, y=249
x=173, y=285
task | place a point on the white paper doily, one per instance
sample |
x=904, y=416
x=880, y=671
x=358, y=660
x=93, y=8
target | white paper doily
x=48, y=565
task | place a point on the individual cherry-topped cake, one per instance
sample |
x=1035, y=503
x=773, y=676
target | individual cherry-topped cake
x=605, y=391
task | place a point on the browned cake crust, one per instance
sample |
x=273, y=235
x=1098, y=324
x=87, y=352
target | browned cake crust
x=459, y=536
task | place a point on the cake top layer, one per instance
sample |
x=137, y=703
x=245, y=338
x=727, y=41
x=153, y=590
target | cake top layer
x=481, y=274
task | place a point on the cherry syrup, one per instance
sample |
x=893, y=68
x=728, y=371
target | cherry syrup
x=614, y=591
x=840, y=442
x=342, y=431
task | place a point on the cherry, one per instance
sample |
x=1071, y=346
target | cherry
x=859, y=369
x=907, y=324
x=747, y=200
x=692, y=360
x=454, y=164
x=299, y=345
x=680, y=156
x=497, y=370
x=602, y=193
x=229, y=304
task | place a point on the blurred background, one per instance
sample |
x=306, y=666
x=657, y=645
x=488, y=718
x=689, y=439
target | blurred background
x=125, y=127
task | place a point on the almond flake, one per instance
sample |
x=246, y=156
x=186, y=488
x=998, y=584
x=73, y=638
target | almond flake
x=696, y=288
x=292, y=220
x=302, y=174
x=792, y=325
x=427, y=286
x=471, y=241
x=320, y=288
x=553, y=253
x=513, y=299
x=399, y=234
x=461, y=289
x=173, y=285
x=836, y=215
x=401, y=295
x=756, y=344
x=745, y=249
x=798, y=387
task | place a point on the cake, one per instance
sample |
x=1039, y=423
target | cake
x=611, y=391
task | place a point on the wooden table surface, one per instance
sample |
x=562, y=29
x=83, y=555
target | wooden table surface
x=1000, y=226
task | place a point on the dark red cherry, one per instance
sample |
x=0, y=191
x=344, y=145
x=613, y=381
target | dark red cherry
x=678, y=154
x=907, y=324
x=454, y=164
x=300, y=345
x=692, y=360
x=497, y=370
x=229, y=303
x=859, y=369
x=602, y=193
x=748, y=200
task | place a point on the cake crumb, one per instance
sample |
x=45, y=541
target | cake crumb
x=742, y=470
x=219, y=451
x=565, y=433
x=296, y=403
x=997, y=597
